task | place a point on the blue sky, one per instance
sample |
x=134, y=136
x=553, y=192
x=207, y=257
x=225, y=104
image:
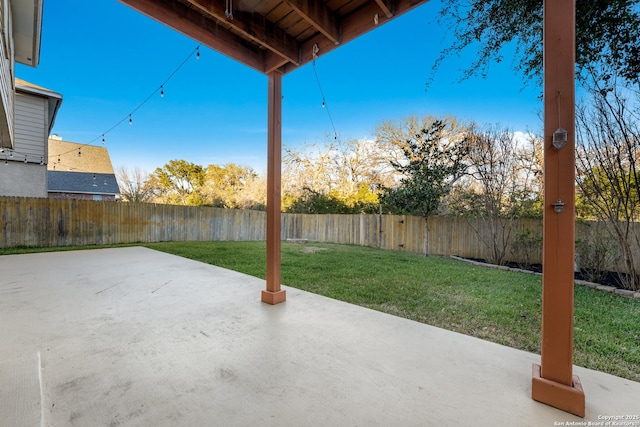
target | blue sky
x=105, y=59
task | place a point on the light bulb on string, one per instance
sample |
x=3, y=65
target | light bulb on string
x=11, y=154
x=323, y=104
x=79, y=152
x=197, y=50
x=58, y=159
x=25, y=159
x=41, y=161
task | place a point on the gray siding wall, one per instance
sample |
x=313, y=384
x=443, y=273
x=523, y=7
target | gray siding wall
x=6, y=75
x=29, y=179
x=31, y=127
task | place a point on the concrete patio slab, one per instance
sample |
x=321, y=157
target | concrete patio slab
x=136, y=337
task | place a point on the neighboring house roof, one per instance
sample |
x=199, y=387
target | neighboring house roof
x=27, y=30
x=82, y=182
x=79, y=168
x=92, y=159
x=55, y=99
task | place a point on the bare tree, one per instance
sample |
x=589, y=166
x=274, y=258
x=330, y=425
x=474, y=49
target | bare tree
x=345, y=173
x=134, y=185
x=505, y=184
x=608, y=137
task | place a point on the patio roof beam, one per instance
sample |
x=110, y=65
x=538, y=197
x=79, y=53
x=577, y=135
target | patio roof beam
x=192, y=23
x=351, y=27
x=386, y=6
x=253, y=27
x=319, y=16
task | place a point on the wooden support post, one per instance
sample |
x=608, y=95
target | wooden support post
x=553, y=382
x=273, y=294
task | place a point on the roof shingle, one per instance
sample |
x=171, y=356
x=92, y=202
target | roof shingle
x=82, y=182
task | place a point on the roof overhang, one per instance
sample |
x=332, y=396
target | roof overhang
x=273, y=35
x=27, y=30
x=53, y=98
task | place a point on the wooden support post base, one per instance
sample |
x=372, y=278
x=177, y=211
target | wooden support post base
x=561, y=396
x=274, y=298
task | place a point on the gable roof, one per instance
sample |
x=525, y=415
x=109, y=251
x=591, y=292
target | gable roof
x=54, y=98
x=82, y=182
x=64, y=157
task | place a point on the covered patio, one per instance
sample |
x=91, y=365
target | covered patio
x=275, y=37
x=132, y=336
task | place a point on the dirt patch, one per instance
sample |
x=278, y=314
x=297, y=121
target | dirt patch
x=312, y=249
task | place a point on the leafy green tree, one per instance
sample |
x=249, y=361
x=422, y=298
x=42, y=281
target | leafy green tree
x=180, y=182
x=433, y=160
x=226, y=186
x=312, y=202
x=607, y=34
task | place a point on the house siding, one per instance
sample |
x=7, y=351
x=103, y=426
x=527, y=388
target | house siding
x=31, y=126
x=6, y=76
x=29, y=179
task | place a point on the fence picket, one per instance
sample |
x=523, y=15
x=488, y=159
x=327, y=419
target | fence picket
x=64, y=222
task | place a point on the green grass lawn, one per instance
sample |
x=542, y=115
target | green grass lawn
x=495, y=305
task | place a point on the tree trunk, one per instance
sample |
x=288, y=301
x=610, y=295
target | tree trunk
x=426, y=228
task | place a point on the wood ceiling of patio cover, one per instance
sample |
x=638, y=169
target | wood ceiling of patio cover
x=273, y=35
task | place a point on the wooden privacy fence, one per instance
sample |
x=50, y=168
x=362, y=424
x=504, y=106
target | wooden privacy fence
x=65, y=222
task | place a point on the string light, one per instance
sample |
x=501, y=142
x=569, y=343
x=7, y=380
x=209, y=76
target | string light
x=79, y=151
x=41, y=160
x=11, y=154
x=315, y=52
x=25, y=159
x=130, y=114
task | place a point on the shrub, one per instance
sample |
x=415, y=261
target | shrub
x=526, y=247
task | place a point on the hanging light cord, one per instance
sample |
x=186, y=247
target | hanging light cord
x=324, y=102
x=160, y=88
